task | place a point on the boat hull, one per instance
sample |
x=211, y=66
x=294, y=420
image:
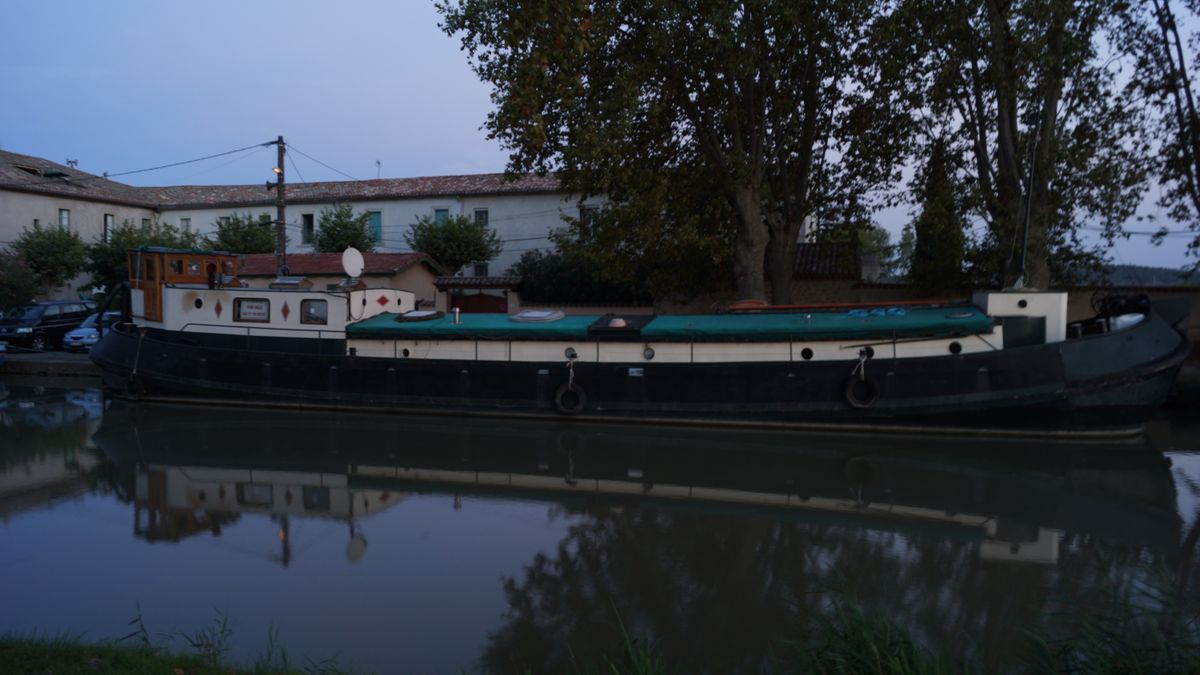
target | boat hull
x=1103, y=383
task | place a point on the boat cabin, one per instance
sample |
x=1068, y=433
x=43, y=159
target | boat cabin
x=198, y=291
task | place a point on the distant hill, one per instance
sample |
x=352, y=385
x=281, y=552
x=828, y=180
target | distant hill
x=1137, y=275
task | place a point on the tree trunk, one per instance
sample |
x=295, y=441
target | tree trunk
x=750, y=250
x=781, y=258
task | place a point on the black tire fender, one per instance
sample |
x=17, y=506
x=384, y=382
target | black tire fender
x=861, y=392
x=569, y=400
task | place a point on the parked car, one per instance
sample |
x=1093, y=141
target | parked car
x=81, y=339
x=41, y=325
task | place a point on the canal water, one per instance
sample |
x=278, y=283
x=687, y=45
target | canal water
x=443, y=544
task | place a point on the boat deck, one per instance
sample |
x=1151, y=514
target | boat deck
x=878, y=323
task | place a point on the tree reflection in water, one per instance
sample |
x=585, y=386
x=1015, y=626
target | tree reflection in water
x=718, y=593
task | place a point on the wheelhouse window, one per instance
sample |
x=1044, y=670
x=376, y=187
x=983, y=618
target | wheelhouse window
x=252, y=310
x=314, y=312
x=177, y=266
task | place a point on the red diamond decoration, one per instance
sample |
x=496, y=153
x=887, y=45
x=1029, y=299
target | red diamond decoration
x=218, y=308
x=382, y=301
x=285, y=311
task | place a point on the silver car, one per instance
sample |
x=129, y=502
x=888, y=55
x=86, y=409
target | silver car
x=81, y=339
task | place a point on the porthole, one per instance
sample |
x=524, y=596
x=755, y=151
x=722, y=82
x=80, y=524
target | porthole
x=199, y=303
x=955, y=348
x=648, y=353
x=1022, y=304
x=570, y=353
x=404, y=353
x=867, y=352
x=806, y=354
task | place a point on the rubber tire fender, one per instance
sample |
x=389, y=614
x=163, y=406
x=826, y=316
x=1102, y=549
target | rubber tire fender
x=861, y=393
x=563, y=399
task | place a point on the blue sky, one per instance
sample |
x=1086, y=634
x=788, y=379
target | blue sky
x=133, y=84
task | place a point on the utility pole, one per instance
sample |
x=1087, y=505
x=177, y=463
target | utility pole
x=280, y=231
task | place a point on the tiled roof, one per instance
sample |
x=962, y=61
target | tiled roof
x=26, y=173
x=443, y=283
x=34, y=174
x=310, y=264
x=210, y=196
x=827, y=261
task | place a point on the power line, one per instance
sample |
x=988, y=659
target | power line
x=293, y=147
x=293, y=161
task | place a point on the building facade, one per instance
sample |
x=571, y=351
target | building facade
x=523, y=212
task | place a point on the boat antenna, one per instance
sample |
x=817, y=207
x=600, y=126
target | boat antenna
x=1019, y=282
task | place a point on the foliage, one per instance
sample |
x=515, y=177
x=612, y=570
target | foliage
x=108, y=261
x=1151, y=33
x=18, y=283
x=244, y=234
x=339, y=229
x=939, y=239
x=558, y=277
x=851, y=642
x=719, y=126
x=1042, y=140
x=56, y=255
x=871, y=240
x=455, y=242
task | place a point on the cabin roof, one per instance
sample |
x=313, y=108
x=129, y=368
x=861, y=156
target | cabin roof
x=883, y=323
x=313, y=264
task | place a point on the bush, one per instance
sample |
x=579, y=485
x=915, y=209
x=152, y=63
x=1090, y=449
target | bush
x=558, y=277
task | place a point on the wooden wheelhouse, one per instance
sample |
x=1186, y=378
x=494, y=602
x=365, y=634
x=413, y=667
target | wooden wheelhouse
x=151, y=268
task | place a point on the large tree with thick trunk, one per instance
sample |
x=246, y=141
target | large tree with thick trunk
x=719, y=126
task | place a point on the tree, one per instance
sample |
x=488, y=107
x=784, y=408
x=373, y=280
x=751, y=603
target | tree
x=555, y=276
x=1033, y=113
x=339, y=229
x=108, y=260
x=1161, y=78
x=937, y=253
x=244, y=234
x=18, y=283
x=55, y=255
x=761, y=113
x=455, y=242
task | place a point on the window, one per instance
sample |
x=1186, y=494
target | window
x=176, y=266
x=481, y=269
x=36, y=222
x=252, y=310
x=64, y=218
x=53, y=310
x=587, y=214
x=376, y=223
x=109, y=221
x=481, y=217
x=306, y=228
x=440, y=216
x=194, y=267
x=145, y=222
x=255, y=494
x=314, y=312
x=185, y=224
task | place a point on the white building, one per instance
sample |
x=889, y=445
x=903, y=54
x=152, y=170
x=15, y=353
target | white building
x=523, y=212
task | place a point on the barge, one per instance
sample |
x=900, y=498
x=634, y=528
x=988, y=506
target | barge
x=1007, y=362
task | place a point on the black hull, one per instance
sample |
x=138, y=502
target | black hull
x=1104, y=383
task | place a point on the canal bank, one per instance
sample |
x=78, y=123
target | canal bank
x=47, y=364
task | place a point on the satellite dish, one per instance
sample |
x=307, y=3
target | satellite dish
x=352, y=262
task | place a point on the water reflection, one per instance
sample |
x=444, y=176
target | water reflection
x=713, y=543
x=45, y=454
x=709, y=541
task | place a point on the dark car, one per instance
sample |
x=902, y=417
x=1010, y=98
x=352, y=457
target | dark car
x=41, y=325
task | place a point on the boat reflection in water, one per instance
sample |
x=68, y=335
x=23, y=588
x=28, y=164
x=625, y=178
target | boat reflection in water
x=1014, y=497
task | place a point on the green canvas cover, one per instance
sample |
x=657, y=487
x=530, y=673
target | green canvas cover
x=882, y=323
